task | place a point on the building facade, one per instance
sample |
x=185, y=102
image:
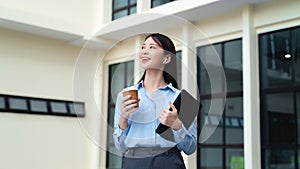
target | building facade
x=62, y=65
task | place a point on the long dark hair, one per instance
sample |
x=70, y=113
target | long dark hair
x=170, y=70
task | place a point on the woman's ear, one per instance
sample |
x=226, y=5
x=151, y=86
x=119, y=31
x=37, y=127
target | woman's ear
x=167, y=60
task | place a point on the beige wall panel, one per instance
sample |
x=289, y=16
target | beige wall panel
x=277, y=14
x=214, y=28
x=40, y=67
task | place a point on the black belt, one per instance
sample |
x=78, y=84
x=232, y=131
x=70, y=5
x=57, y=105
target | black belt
x=142, y=152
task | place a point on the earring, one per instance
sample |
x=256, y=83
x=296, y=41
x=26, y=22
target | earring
x=165, y=61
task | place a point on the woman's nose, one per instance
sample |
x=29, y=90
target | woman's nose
x=144, y=51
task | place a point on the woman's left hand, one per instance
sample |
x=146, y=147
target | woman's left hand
x=170, y=118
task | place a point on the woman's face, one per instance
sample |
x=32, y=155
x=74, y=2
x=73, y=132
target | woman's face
x=151, y=55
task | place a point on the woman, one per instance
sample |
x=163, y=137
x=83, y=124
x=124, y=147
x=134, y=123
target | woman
x=134, y=127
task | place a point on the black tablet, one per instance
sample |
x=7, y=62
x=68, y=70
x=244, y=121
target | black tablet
x=187, y=107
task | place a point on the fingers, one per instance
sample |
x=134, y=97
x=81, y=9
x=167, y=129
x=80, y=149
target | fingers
x=128, y=106
x=172, y=106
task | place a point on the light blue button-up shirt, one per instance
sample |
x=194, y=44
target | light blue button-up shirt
x=143, y=123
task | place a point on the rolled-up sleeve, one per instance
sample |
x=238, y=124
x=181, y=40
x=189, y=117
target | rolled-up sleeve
x=119, y=135
x=187, y=139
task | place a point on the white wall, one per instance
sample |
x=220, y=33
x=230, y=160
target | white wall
x=71, y=16
x=40, y=67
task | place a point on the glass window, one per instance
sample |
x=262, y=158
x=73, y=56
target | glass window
x=227, y=128
x=179, y=69
x=123, y=8
x=281, y=118
x=274, y=49
x=2, y=103
x=233, y=65
x=77, y=108
x=38, y=106
x=279, y=82
x=298, y=116
x=211, y=122
x=279, y=159
x=234, y=112
x=58, y=107
x=211, y=158
x=18, y=104
x=234, y=158
x=155, y=3
x=121, y=75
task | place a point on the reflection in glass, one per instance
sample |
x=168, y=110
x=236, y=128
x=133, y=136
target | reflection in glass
x=208, y=56
x=121, y=75
x=234, y=112
x=120, y=14
x=17, y=104
x=280, y=108
x=278, y=68
x=298, y=116
x=2, y=103
x=120, y=4
x=212, y=123
x=211, y=158
x=279, y=159
x=58, y=107
x=76, y=108
x=38, y=106
x=179, y=69
x=159, y=2
x=234, y=158
x=117, y=81
x=233, y=65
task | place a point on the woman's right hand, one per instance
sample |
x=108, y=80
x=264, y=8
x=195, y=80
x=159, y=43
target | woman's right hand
x=128, y=106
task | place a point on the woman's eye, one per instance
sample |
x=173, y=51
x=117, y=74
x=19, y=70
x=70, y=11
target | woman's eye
x=152, y=47
x=143, y=47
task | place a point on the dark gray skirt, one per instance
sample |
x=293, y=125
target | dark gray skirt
x=149, y=158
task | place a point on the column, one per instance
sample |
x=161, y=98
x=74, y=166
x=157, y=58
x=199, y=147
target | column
x=251, y=92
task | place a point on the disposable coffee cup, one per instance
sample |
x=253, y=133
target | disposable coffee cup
x=133, y=93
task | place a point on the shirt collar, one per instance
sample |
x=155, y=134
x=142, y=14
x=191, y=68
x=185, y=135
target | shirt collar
x=169, y=86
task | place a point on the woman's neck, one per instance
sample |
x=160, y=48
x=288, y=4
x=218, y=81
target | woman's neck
x=154, y=80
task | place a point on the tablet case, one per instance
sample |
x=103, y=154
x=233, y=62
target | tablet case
x=187, y=107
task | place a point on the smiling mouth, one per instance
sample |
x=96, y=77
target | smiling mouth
x=145, y=58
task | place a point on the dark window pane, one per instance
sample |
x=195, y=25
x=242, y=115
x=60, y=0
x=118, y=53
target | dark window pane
x=279, y=159
x=132, y=2
x=76, y=108
x=117, y=81
x=120, y=14
x=132, y=10
x=234, y=112
x=120, y=4
x=129, y=70
x=114, y=161
x=17, y=104
x=208, y=55
x=38, y=106
x=233, y=65
x=2, y=103
x=281, y=118
x=278, y=68
x=179, y=67
x=211, y=158
x=295, y=52
x=235, y=158
x=212, y=123
x=121, y=75
x=298, y=116
x=159, y=2
x=58, y=107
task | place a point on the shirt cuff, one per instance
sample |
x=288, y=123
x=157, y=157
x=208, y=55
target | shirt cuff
x=179, y=134
x=120, y=132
